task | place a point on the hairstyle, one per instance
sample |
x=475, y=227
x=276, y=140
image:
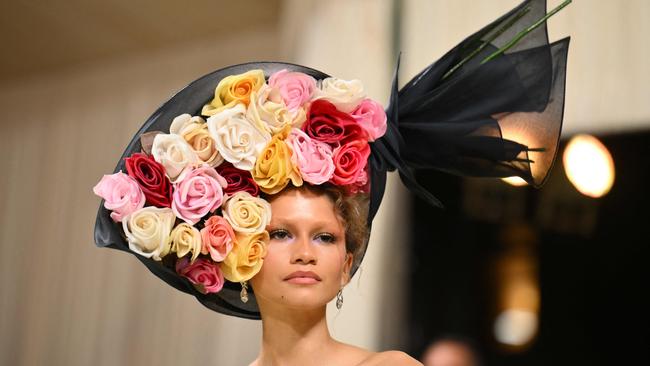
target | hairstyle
x=352, y=209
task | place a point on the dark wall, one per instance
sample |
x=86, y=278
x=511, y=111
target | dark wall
x=592, y=255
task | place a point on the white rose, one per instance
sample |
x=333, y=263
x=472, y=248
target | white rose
x=194, y=131
x=175, y=154
x=237, y=139
x=344, y=94
x=147, y=231
x=269, y=113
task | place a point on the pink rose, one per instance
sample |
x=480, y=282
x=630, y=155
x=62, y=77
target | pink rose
x=295, y=88
x=217, y=238
x=350, y=161
x=204, y=274
x=197, y=194
x=313, y=158
x=362, y=185
x=371, y=116
x=121, y=194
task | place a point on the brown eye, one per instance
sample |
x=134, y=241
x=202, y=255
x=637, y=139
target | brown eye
x=326, y=238
x=279, y=234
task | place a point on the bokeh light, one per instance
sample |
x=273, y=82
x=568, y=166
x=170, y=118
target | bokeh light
x=515, y=327
x=515, y=181
x=589, y=165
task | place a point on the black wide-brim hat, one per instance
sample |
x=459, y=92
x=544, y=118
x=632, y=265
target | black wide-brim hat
x=460, y=115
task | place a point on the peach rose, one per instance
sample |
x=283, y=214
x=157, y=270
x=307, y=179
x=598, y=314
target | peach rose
x=218, y=238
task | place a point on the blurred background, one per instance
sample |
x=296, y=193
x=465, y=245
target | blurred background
x=515, y=275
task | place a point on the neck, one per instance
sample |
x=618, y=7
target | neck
x=294, y=337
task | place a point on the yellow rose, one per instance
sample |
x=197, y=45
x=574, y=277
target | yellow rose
x=234, y=89
x=246, y=257
x=274, y=168
x=194, y=130
x=247, y=214
x=184, y=239
x=268, y=112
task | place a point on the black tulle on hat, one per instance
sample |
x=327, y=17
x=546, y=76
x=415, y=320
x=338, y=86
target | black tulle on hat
x=494, y=119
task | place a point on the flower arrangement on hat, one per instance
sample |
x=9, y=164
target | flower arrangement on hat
x=191, y=199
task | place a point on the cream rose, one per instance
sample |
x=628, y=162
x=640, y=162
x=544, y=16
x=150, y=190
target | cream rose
x=269, y=113
x=237, y=140
x=195, y=132
x=185, y=239
x=247, y=214
x=344, y=94
x=147, y=231
x=246, y=257
x=175, y=154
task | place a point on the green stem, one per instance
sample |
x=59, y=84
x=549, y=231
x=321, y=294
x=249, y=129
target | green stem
x=524, y=32
x=500, y=31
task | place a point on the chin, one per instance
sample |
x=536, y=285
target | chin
x=306, y=296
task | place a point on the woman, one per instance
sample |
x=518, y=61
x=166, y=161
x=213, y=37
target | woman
x=278, y=188
x=314, y=233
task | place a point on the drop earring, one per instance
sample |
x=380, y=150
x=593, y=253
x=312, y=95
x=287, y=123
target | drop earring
x=243, y=295
x=339, y=299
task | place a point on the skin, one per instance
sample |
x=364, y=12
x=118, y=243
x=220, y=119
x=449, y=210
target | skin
x=449, y=353
x=306, y=235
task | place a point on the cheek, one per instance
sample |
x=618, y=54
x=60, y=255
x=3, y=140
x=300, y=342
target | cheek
x=271, y=268
x=335, y=263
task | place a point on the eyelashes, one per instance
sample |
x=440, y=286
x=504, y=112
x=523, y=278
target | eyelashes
x=283, y=235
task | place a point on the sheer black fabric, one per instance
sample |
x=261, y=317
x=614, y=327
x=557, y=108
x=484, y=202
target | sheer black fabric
x=496, y=119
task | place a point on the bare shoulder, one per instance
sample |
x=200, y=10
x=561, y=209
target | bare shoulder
x=390, y=358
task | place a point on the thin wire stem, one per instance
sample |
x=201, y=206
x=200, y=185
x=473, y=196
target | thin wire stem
x=496, y=34
x=524, y=32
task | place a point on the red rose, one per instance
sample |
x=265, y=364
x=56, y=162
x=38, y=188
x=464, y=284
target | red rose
x=151, y=177
x=238, y=180
x=203, y=273
x=327, y=124
x=350, y=160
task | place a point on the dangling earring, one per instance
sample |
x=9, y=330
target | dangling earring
x=243, y=295
x=339, y=299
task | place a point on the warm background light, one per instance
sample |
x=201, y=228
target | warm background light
x=589, y=166
x=515, y=327
x=515, y=181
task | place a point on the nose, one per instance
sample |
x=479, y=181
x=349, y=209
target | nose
x=303, y=251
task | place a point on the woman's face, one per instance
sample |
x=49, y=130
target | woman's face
x=306, y=263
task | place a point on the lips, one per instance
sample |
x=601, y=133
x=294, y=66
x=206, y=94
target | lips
x=303, y=278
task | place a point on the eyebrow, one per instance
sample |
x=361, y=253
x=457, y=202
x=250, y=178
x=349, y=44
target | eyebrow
x=292, y=223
